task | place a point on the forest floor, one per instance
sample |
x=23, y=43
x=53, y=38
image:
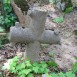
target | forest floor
x=65, y=53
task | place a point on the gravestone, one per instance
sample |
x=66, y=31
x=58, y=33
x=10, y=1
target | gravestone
x=34, y=35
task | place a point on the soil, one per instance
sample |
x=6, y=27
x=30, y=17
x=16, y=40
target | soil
x=66, y=53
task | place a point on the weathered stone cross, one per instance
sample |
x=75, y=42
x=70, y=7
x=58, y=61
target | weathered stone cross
x=34, y=35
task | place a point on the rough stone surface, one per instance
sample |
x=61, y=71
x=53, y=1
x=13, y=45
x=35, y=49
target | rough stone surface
x=18, y=34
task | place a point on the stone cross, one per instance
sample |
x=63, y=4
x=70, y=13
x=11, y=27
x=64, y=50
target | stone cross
x=34, y=35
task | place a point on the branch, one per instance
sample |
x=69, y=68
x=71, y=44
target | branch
x=18, y=12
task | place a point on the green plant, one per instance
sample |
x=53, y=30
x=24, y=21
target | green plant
x=76, y=58
x=1, y=74
x=68, y=10
x=58, y=19
x=22, y=68
x=62, y=5
x=27, y=69
x=1, y=19
x=74, y=68
x=3, y=40
x=2, y=30
x=7, y=1
x=61, y=74
x=9, y=17
x=52, y=64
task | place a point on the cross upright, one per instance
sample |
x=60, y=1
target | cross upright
x=35, y=34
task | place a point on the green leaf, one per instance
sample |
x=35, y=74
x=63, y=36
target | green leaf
x=54, y=75
x=35, y=64
x=30, y=75
x=22, y=65
x=16, y=58
x=36, y=69
x=21, y=75
x=70, y=74
x=74, y=68
x=28, y=63
x=46, y=70
x=19, y=67
x=68, y=10
x=43, y=64
x=14, y=64
x=41, y=70
x=48, y=75
x=1, y=29
x=24, y=71
x=7, y=1
x=61, y=74
x=52, y=64
x=27, y=71
x=1, y=74
x=14, y=70
x=58, y=19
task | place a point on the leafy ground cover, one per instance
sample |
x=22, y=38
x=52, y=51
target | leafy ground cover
x=8, y=18
x=21, y=68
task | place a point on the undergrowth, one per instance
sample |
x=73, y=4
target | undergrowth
x=3, y=40
x=25, y=68
x=8, y=18
x=22, y=68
